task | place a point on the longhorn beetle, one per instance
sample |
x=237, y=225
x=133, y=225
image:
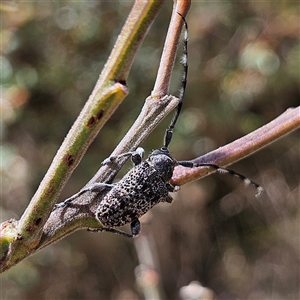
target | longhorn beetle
x=148, y=182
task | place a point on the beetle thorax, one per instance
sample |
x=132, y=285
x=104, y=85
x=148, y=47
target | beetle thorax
x=163, y=163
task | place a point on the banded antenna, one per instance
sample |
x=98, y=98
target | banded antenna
x=184, y=62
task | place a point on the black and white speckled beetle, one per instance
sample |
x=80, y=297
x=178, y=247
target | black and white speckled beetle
x=147, y=183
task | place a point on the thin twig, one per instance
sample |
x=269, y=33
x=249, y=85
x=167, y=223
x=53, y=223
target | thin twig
x=158, y=105
x=241, y=148
x=163, y=78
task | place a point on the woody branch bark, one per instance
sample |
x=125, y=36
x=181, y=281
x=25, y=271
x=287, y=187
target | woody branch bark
x=35, y=230
x=241, y=148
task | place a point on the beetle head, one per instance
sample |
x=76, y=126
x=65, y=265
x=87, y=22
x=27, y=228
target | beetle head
x=163, y=162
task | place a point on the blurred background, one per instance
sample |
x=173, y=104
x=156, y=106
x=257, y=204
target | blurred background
x=243, y=72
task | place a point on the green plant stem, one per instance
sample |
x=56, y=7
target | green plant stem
x=108, y=93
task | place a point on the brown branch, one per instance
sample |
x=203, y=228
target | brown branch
x=80, y=214
x=241, y=148
x=158, y=105
x=163, y=78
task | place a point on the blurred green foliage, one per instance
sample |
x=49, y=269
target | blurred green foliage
x=243, y=72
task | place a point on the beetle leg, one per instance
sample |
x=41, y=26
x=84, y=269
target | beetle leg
x=135, y=229
x=168, y=199
x=112, y=230
x=136, y=157
x=172, y=188
x=96, y=187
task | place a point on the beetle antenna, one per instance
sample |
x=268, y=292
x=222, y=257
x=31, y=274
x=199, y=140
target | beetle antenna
x=184, y=62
